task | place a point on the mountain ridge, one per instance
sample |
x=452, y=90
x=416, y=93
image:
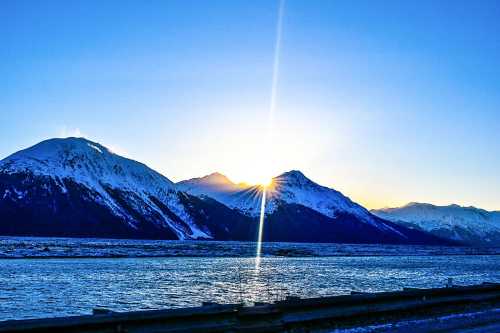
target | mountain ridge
x=76, y=187
x=290, y=186
x=467, y=224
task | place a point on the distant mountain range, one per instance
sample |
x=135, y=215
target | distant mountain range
x=74, y=187
x=464, y=224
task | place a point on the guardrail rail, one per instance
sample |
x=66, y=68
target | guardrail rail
x=286, y=315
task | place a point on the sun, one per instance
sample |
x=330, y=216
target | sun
x=265, y=181
x=254, y=178
x=256, y=175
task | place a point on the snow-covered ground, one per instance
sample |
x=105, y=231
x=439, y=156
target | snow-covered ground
x=471, y=322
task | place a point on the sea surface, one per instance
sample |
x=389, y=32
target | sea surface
x=50, y=277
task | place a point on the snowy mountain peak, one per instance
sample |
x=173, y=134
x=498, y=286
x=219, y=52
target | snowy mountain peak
x=293, y=174
x=412, y=204
x=294, y=187
x=85, y=161
x=53, y=148
x=215, y=185
x=430, y=207
x=293, y=178
x=216, y=178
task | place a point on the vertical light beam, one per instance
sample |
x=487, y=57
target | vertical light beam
x=276, y=67
x=270, y=125
x=261, y=226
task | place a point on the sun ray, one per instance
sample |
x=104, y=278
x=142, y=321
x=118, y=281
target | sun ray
x=269, y=141
x=261, y=226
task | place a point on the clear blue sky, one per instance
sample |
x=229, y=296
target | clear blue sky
x=386, y=101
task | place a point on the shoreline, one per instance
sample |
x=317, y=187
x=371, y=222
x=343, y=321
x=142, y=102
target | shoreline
x=247, y=257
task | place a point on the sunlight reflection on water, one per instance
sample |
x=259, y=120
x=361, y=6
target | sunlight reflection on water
x=55, y=287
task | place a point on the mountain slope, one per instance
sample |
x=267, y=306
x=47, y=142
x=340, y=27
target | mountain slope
x=465, y=224
x=88, y=190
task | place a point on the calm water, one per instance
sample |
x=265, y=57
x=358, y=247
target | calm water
x=31, y=288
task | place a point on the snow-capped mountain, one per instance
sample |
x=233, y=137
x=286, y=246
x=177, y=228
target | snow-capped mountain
x=74, y=187
x=466, y=224
x=295, y=198
x=56, y=171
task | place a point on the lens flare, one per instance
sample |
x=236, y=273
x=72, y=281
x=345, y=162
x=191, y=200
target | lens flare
x=269, y=141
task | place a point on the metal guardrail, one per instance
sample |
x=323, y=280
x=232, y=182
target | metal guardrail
x=279, y=316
